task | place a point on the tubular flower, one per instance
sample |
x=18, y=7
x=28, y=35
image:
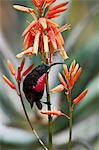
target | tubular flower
x=11, y=85
x=68, y=79
x=80, y=97
x=17, y=75
x=56, y=113
x=42, y=34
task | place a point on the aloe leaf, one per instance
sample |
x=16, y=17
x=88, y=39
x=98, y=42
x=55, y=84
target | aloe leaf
x=15, y=136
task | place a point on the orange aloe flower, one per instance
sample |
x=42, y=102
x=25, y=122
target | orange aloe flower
x=68, y=80
x=43, y=35
x=80, y=97
x=17, y=75
x=70, y=77
x=9, y=83
x=56, y=113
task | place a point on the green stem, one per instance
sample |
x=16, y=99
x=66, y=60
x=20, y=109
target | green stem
x=49, y=116
x=70, y=130
x=70, y=120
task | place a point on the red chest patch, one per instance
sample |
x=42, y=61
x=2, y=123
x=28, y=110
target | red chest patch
x=40, y=83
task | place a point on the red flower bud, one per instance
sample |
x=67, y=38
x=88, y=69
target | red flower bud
x=27, y=70
x=8, y=82
x=80, y=97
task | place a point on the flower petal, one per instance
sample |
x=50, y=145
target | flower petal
x=49, y=2
x=27, y=70
x=22, y=64
x=32, y=24
x=63, y=53
x=66, y=72
x=58, y=6
x=42, y=21
x=51, y=58
x=24, y=9
x=28, y=40
x=76, y=76
x=80, y=97
x=51, y=23
x=62, y=80
x=52, y=38
x=8, y=82
x=53, y=16
x=58, y=88
x=36, y=3
x=72, y=66
x=56, y=11
x=11, y=68
x=36, y=43
x=29, y=51
x=75, y=70
x=56, y=113
x=45, y=40
x=59, y=36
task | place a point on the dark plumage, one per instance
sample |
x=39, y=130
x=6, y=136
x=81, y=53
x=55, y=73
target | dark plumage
x=33, y=84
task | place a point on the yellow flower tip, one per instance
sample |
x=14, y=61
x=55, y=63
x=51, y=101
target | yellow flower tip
x=27, y=52
x=62, y=80
x=58, y=88
x=66, y=72
x=9, y=83
x=63, y=53
x=24, y=9
x=69, y=26
x=16, y=6
x=75, y=69
x=65, y=68
x=77, y=74
x=42, y=21
x=74, y=61
x=20, y=55
x=11, y=68
x=72, y=66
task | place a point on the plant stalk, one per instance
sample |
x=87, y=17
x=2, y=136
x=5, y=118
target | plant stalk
x=70, y=120
x=34, y=131
x=49, y=116
x=70, y=130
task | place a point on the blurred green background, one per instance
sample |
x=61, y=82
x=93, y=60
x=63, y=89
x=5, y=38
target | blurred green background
x=82, y=44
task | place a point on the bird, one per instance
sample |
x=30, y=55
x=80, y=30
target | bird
x=33, y=84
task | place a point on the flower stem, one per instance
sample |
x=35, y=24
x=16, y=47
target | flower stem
x=70, y=130
x=34, y=131
x=49, y=116
x=70, y=120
